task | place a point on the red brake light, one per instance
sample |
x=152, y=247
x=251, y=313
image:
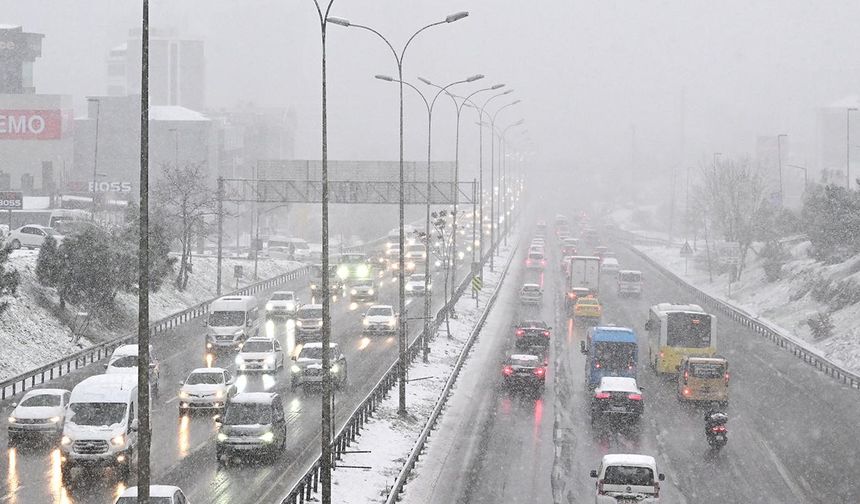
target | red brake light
x=540, y=371
x=719, y=428
x=508, y=370
x=571, y=295
x=695, y=321
x=546, y=333
x=602, y=395
x=521, y=332
x=686, y=376
x=634, y=397
x=597, y=365
x=727, y=377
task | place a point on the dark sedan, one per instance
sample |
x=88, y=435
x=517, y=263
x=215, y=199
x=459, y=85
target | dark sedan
x=532, y=333
x=524, y=371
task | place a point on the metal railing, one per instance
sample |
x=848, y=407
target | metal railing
x=90, y=355
x=781, y=339
x=303, y=490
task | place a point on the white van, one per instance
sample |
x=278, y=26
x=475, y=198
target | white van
x=100, y=428
x=629, y=283
x=231, y=321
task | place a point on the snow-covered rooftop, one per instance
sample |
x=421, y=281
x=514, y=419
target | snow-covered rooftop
x=9, y=27
x=174, y=113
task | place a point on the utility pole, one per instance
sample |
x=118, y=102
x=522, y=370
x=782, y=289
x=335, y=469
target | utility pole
x=220, y=234
x=95, y=154
x=144, y=431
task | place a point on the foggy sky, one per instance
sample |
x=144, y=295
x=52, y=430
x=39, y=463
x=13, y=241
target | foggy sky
x=588, y=72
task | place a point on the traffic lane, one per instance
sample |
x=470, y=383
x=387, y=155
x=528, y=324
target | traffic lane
x=368, y=359
x=517, y=455
x=781, y=411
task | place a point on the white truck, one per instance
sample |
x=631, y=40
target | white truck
x=583, y=278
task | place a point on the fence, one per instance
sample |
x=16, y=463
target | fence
x=762, y=328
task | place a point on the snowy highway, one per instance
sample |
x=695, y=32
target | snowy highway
x=790, y=429
x=184, y=448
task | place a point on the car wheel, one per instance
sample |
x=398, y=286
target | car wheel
x=182, y=412
x=15, y=244
x=66, y=473
x=219, y=458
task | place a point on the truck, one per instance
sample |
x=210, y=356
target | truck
x=583, y=278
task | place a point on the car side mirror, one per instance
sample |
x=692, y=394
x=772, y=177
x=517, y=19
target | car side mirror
x=106, y=366
x=293, y=357
x=594, y=473
x=181, y=384
x=648, y=325
x=582, y=347
x=134, y=425
x=661, y=477
x=249, y=323
x=14, y=405
x=203, y=322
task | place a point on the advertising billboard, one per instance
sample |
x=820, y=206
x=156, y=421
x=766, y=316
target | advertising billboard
x=30, y=124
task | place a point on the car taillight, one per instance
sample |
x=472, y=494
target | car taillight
x=634, y=397
x=656, y=489
x=597, y=365
x=687, y=377
x=661, y=355
x=521, y=332
x=540, y=371
x=600, y=487
x=508, y=371
x=602, y=395
x=546, y=333
x=528, y=262
x=727, y=377
x=571, y=295
x=718, y=428
x=543, y=262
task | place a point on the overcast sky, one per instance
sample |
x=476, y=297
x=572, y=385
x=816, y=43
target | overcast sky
x=588, y=72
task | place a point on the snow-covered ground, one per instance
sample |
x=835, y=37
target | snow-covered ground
x=786, y=304
x=33, y=332
x=391, y=437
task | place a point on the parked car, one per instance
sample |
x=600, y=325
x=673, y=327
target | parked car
x=39, y=413
x=31, y=236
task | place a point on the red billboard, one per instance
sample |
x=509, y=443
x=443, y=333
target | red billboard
x=30, y=124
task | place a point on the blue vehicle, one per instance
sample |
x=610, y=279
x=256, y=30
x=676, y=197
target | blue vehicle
x=610, y=351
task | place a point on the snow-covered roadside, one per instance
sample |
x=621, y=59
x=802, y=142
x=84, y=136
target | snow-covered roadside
x=390, y=437
x=32, y=333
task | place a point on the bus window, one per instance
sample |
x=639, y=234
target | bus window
x=688, y=330
x=612, y=356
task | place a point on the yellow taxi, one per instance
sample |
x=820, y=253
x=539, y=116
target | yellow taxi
x=587, y=309
x=703, y=379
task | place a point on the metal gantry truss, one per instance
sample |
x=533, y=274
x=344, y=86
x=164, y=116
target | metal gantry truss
x=372, y=192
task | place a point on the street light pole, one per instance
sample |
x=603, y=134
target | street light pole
x=429, y=105
x=492, y=185
x=481, y=112
x=95, y=154
x=504, y=187
x=805, y=176
x=402, y=263
x=779, y=158
x=848, y=146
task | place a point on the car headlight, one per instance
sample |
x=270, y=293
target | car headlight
x=362, y=271
x=267, y=437
x=221, y=437
x=270, y=359
x=365, y=322
x=335, y=368
x=54, y=419
x=238, y=333
x=353, y=292
x=208, y=345
x=270, y=306
x=295, y=369
x=409, y=287
x=291, y=305
x=66, y=441
x=219, y=394
x=118, y=440
x=370, y=292
x=12, y=419
x=183, y=394
x=391, y=323
x=298, y=323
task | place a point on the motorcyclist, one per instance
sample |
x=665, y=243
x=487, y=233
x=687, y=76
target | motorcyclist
x=714, y=419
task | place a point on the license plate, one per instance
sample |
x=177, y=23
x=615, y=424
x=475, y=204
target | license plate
x=618, y=409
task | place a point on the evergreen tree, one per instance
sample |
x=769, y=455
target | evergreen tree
x=8, y=279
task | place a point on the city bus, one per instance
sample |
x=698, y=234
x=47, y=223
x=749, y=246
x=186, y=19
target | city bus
x=676, y=330
x=610, y=351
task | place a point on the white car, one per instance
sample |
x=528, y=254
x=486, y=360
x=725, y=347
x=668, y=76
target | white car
x=531, y=293
x=31, y=236
x=124, y=361
x=415, y=285
x=40, y=412
x=205, y=388
x=609, y=265
x=260, y=354
x=282, y=304
x=625, y=477
x=158, y=494
x=380, y=319
x=416, y=252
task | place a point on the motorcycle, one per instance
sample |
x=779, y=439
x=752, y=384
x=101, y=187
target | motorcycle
x=715, y=429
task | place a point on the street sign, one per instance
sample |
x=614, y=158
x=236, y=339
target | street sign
x=11, y=200
x=477, y=283
x=237, y=271
x=686, y=249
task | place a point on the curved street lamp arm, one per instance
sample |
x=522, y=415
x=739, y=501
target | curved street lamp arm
x=393, y=51
x=426, y=103
x=403, y=52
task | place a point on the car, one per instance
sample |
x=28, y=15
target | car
x=231, y=320
x=540, y=228
x=262, y=355
x=308, y=321
x=600, y=250
x=609, y=266
x=252, y=423
x=587, y=309
x=416, y=252
x=535, y=260
x=415, y=285
x=617, y=397
x=31, y=236
x=629, y=283
x=538, y=242
x=531, y=293
x=380, y=319
x=205, y=388
x=363, y=290
x=307, y=370
x=524, y=371
x=282, y=304
x=532, y=333
x=624, y=477
x=158, y=494
x=123, y=360
x=40, y=412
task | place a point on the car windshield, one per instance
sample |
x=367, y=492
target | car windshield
x=301, y=246
x=416, y=278
x=257, y=346
x=688, y=330
x=628, y=476
x=227, y=318
x=152, y=500
x=97, y=413
x=283, y=296
x=415, y=248
x=310, y=313
x=535, y=255
x=378, y=311
x=534, y=323
x=707, y=370
x=531, y=288
x=126, y=361
x=41, y=400
x=311, y=353
x=363, y=283
x=630, y=277
x=586, y=302
x=614, y=356
x=205, y=379
x=525, y=362
x=248, y=413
